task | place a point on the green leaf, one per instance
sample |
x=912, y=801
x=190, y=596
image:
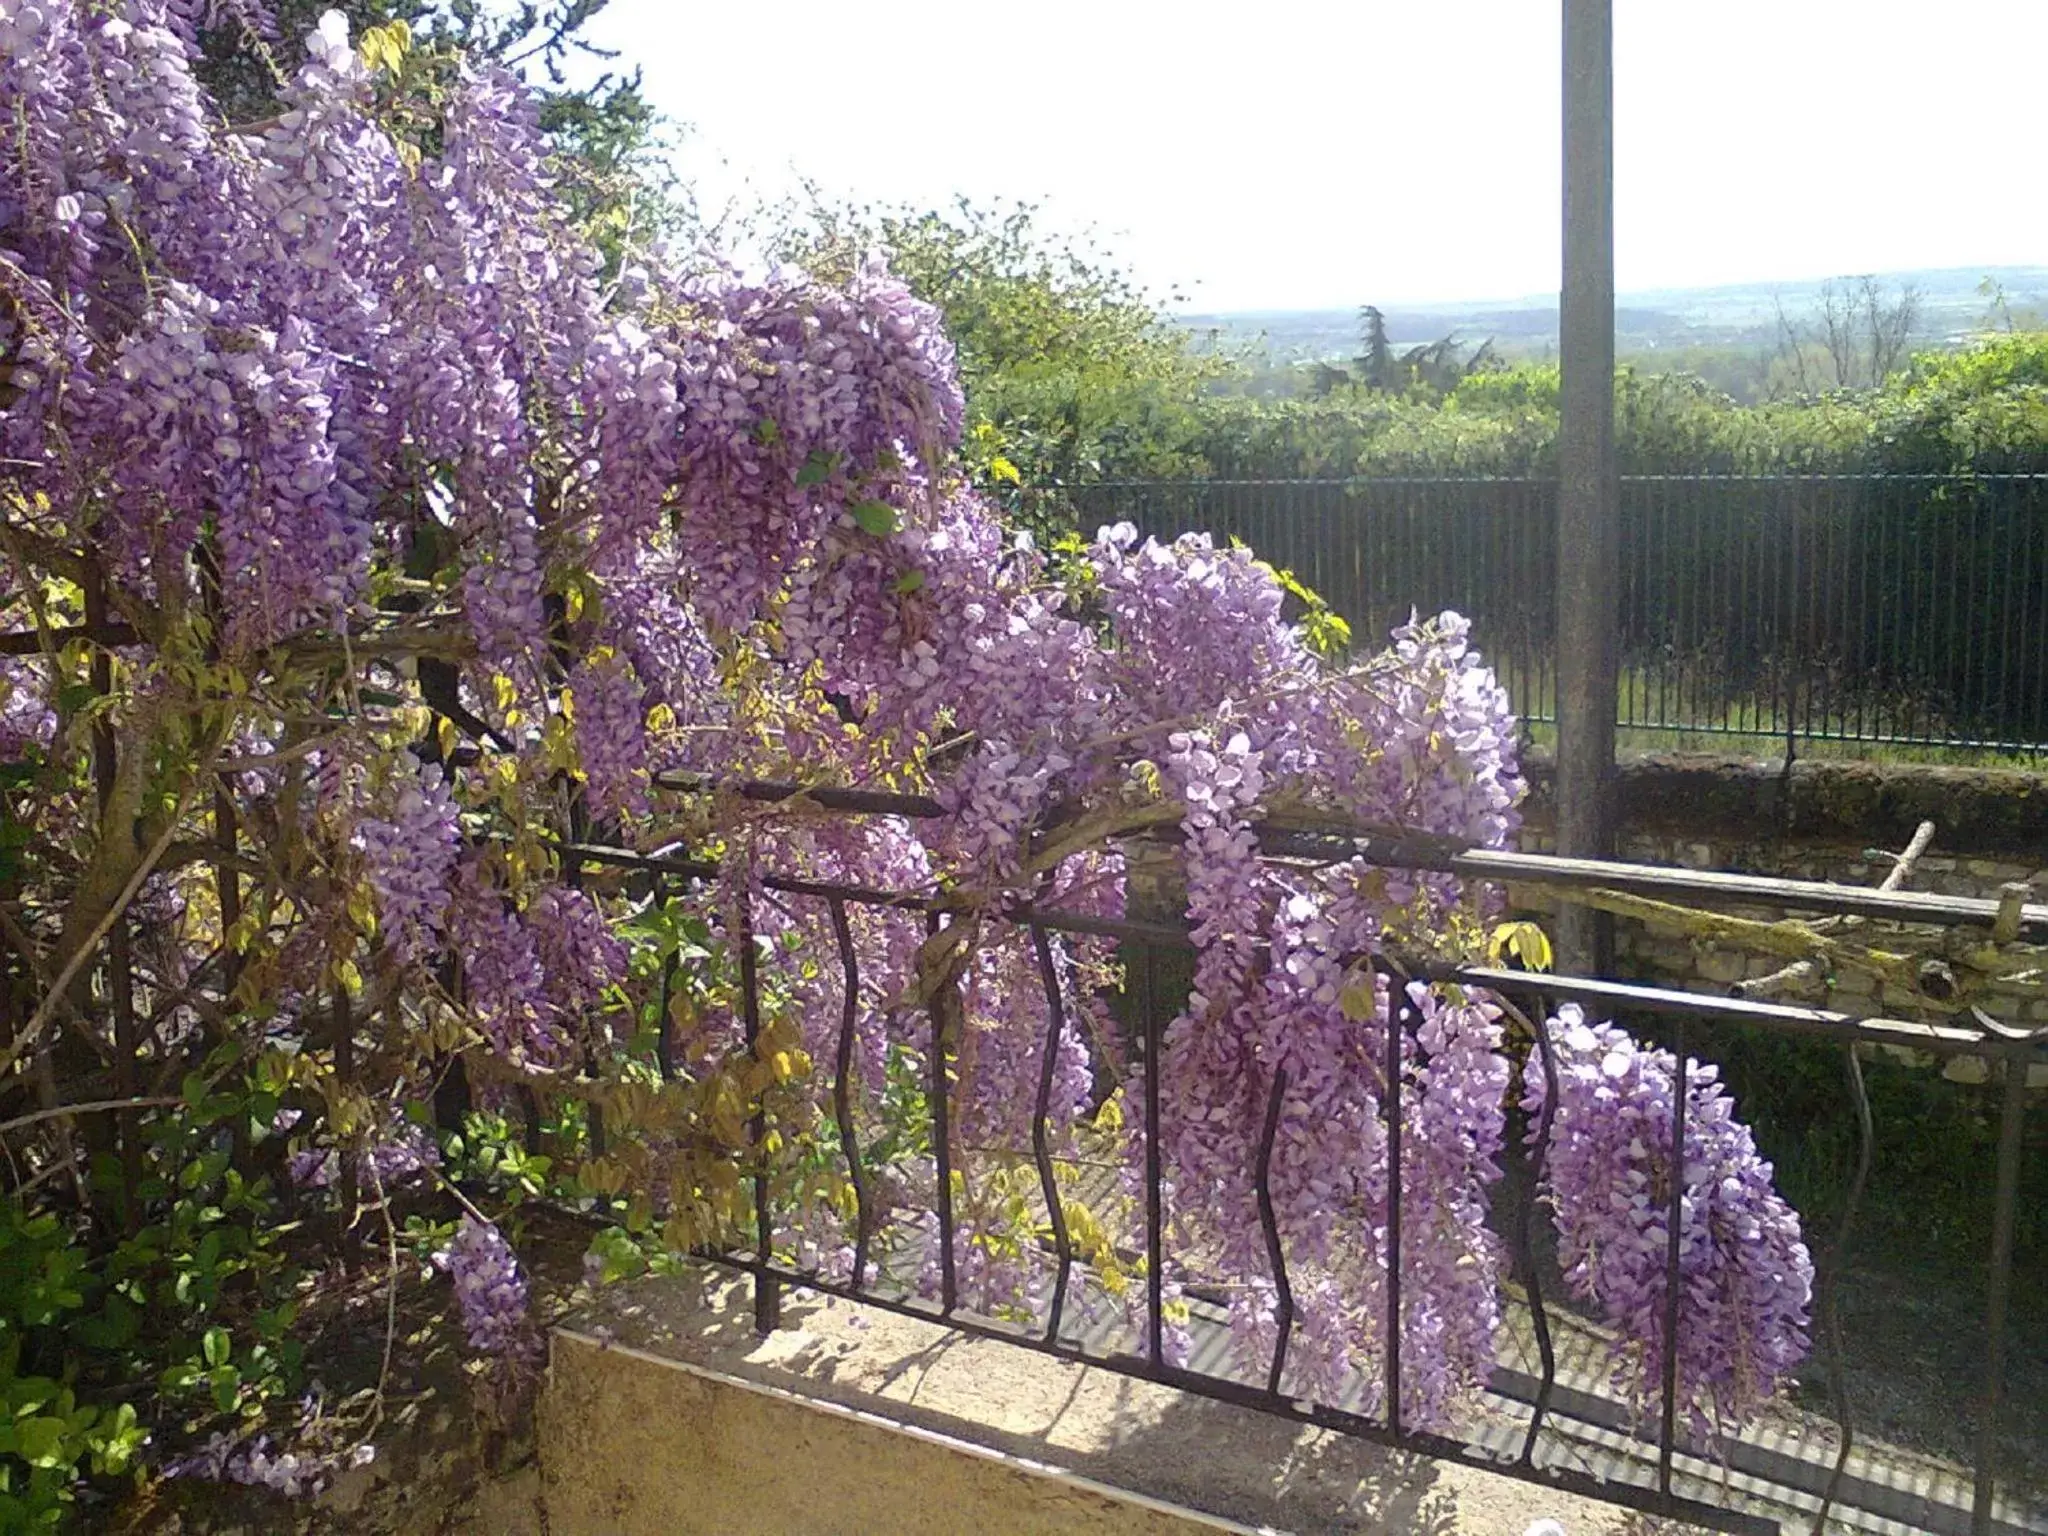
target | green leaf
x=817, y=468
x=227, y=1386
x=215, y=1345
x=119, y=1322
x=26, y=1394
x=875, y=517
x=909, y=581
x=41, y=1442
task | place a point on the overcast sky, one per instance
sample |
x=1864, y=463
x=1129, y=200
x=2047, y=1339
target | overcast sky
x=1287, y=154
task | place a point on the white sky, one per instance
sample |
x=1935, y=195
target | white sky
x=1288, y=154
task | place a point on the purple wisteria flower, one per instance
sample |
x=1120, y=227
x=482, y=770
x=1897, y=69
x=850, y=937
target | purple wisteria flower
x=489, y=1288
x=410, y=853
x=1746, y=1275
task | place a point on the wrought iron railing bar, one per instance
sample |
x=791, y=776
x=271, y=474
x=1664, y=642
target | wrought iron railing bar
x=1041, y=1146
x=1411, y=850
x=767, y=1290
x=1448, y=856
x=1674, y=1211
x=1625, y=997
x=572, y=876
x=664, y=1027
x=1401, y=1017
x=1957, y=590
x=1660, y=512
x=1155, y=1195
x=842, y=1089
x=2012, y=644
x=1537, y=1022
x=2012, y=1122
x=901, y=901
x=1831, y=1285
x=1905, y=477
x=2038, y=626
x=939, y=1088
x=1269, y=1223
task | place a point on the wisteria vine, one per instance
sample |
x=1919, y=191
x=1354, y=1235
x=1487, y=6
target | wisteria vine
x=447, y=556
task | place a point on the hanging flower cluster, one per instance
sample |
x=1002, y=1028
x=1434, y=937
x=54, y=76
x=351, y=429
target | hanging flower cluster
x=489, y=1287
x=1746, y=1275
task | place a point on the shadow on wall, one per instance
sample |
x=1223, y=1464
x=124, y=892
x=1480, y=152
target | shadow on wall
x=1225, y=1461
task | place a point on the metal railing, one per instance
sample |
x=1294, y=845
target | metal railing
x=1537, y=1422
x=1902, y=609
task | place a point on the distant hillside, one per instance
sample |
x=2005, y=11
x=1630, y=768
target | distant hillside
x=1737, y=315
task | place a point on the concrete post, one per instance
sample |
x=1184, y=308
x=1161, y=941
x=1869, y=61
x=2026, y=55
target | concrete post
x=1588, y=518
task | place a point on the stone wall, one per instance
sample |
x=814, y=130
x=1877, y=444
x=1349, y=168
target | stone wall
x=1823, y=821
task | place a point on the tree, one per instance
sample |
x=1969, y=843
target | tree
x=1376, y=362
x=1430, y=370
x=1071, y=371
x=1858, y=339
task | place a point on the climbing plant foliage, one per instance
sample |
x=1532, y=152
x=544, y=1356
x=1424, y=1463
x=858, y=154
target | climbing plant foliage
x=372, y=551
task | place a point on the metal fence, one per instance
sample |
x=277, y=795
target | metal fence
x=1899, y=609
x=1547, y=1416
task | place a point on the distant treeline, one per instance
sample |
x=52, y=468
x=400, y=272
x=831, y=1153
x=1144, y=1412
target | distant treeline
x=1074, y=374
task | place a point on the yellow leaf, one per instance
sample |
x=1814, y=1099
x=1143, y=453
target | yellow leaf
x=1359, y=999
x=362, y=909
x=1110, y=1118
x=446, y=734
x=504, y=690
x=1000, y=468
x=1523, y=941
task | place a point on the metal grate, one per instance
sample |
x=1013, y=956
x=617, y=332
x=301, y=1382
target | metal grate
x=1894, y=609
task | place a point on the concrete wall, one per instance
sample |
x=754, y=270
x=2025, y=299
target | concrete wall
x=634, y=1444
x=664, y=1412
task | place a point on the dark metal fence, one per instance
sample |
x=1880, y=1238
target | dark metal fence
x=1907, y=609
x=1538, y=1421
